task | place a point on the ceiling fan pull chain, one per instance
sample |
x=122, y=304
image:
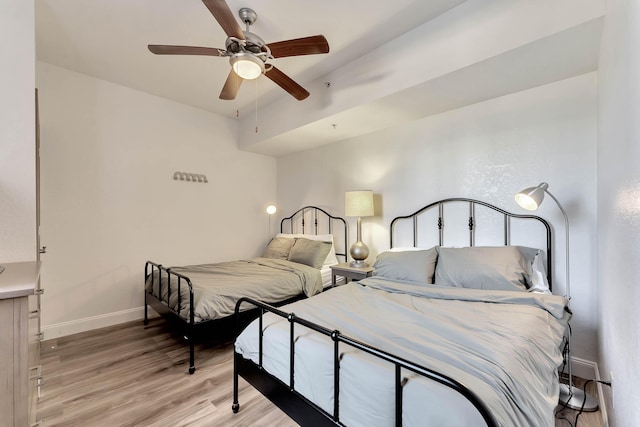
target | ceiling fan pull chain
x=256, y=80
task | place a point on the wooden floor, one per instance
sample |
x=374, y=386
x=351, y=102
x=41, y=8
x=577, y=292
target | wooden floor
x=132, y=375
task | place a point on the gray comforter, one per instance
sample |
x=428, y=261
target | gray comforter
x=503, y=345
x=217, y=287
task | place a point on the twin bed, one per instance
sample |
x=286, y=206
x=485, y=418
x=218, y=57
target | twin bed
x=201, y=299
x=438, y=336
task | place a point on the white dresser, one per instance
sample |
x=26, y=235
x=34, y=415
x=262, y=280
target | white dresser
x=20, y=336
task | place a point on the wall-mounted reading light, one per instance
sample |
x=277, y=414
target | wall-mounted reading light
x=271, y=209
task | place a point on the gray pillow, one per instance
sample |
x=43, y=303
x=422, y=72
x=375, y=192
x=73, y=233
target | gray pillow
x=278, y=248
x=485, y=267
x=309, y=252
x=416, y=266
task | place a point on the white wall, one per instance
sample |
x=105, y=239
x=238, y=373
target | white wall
x=109, y=201
x=487, y=151
x=619, y=209
x=17, y=132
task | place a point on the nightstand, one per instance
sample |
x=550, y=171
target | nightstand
x=345, y=270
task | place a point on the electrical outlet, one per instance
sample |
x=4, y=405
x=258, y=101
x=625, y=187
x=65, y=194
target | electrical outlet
x=611, y=378
x=613, y=400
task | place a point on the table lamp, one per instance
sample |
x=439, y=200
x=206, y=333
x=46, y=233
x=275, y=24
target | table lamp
x=359, y=204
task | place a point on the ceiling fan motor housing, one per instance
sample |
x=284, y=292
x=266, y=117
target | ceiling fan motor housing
x=252, y=43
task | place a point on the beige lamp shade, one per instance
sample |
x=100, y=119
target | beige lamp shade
x=358, y=203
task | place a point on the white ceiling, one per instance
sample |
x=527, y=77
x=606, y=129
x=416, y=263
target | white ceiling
x=108, y=40
x=468, y=51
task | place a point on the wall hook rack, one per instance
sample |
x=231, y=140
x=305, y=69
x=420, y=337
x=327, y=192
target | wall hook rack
x=188, y=176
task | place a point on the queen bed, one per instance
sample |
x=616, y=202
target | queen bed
x=438, y=336
x=201, y=299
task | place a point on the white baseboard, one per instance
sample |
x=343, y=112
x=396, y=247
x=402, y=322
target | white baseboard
x=95, y=322
x=583, y=368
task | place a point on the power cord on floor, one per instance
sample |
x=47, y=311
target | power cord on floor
x=584, y=400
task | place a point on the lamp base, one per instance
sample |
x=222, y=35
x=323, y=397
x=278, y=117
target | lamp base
x=358, y=263
x=575, y=398
x=359, y=252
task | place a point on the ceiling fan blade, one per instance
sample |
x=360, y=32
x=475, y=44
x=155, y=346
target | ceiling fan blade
x=220, y=10
x=161, y=49
x=231, y=86
x=286, y=83
x=311, y=45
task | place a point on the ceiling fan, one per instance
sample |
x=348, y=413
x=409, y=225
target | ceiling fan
x=248, y=54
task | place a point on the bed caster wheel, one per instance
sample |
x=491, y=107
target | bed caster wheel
x=235, y=408
x=192, y=369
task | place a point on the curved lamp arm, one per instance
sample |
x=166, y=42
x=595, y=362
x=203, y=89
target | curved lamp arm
x=530, y=199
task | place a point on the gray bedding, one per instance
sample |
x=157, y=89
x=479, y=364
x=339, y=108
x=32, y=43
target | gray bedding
x=217, y=287
x=503, y=345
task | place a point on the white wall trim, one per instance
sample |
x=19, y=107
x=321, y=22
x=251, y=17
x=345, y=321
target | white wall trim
x=94, y=322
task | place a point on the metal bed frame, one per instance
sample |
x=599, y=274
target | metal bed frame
x=472, y=223
x=226, y=328
x=305, y=412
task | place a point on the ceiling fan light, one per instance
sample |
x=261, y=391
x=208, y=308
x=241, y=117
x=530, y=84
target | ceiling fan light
x=246, y=65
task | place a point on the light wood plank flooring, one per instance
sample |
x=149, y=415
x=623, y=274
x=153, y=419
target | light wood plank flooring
x=132, y=375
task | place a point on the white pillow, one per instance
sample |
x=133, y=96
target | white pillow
x=331, y=259
x=407, y=249
x=539, y=282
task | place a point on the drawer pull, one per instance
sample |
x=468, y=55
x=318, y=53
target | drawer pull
x=39, y=291
x=40, y=336
x=34, y=313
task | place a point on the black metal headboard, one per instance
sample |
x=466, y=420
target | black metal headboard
x=319, y=220
x=472, y=224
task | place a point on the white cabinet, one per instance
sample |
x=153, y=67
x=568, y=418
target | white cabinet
x=20, y=370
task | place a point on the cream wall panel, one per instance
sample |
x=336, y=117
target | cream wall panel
x=17, y=132
x=488, y=151
x=109, y=201
x=619, y=209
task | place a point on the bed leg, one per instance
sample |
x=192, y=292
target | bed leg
x=146, y=314
x=192, y=364
x=236, y=406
